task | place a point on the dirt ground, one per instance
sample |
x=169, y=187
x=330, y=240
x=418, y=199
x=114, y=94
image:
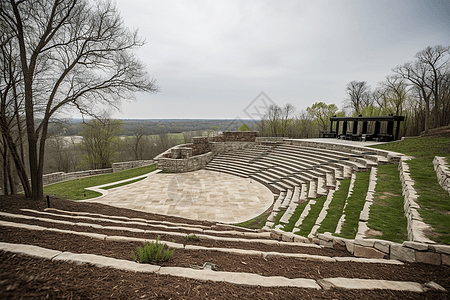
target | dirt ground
x=23, y=277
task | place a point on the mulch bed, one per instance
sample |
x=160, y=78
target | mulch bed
x=38, y=278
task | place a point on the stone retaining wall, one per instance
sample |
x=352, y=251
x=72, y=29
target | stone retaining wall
x=416, y=226
x=116, y=167
x=61, y=176
x=166, y=162
x=126, y=165
x=371, y=248
x=442, y=172
x=195, y=156
x=184, y=165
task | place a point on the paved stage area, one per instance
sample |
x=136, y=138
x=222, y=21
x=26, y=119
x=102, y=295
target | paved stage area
x=199, y=195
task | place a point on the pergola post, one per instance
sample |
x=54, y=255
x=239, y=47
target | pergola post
x=390, y=128
x=355, y=127
x=337, y=128
x=397, y=130
x=331, y=126
x=377, y=128
x=344, y=128
x=364, y=128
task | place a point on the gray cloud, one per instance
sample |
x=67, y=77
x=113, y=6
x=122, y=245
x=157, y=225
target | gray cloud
x=211, y=58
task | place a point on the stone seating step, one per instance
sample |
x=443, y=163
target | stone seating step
x=244, y=167
x=248, y=279
x=227, y=170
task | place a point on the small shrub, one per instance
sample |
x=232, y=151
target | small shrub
x=191, y=237
x=152, y=252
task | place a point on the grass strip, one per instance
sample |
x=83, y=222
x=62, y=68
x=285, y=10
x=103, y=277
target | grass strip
x=388, y=205
x=295, y=216
x=335, y=209
x=122, y=184
x=311, y=218
x=76, y=189
x=257, y=222
x=433, y=200
x=355, y=204
x=278, y=217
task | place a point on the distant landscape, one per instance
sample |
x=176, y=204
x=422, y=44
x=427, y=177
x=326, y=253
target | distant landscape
x=157, y=126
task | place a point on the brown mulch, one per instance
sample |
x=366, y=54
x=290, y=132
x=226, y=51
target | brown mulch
x=38, y=278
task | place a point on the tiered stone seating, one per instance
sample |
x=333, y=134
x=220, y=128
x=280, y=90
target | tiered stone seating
x=285, y=166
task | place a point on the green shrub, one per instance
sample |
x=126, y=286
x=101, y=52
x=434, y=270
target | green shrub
x=152, y=252
x=191, y=237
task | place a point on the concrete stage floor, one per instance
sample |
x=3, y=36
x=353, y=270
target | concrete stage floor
x=199, y=195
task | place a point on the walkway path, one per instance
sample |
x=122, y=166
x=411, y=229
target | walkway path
x=200, y=195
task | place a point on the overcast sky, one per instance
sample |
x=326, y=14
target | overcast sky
x=213, y=58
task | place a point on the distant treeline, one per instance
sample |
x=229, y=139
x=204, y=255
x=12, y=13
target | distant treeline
x=158, y=126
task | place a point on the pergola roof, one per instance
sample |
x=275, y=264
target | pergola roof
x=378, y=118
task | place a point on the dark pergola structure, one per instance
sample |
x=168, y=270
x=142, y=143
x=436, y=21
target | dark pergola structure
x=376, y=135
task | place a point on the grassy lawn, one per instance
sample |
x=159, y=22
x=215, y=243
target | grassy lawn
x=433, y=200
x=355, y=204
x=76, y=189
x=335, y=208
x=311, y=218
x=295, y=216
x=419, y=147
x=278, y=217
x=388, y=205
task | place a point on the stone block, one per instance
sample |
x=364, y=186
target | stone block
x=325, y=237
x=445, y=259
x=430, y=258
x=368, y=252
x=416, y=246
x=287, y=238
x=402, y=253
x=350, y=246
x=365, y=242
x=440, y=248
x=328, y=244
x=383, y=246
x=276, y=235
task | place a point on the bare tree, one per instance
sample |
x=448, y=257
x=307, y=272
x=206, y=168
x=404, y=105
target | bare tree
x=358, y=95
x=136, y=143
x=83, y=54
x=100, y=142
x=286, y=115
x=428, y=75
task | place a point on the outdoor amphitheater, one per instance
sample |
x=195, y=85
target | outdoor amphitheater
x=313, y=198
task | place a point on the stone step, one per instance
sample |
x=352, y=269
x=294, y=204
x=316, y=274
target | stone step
x=229, y=277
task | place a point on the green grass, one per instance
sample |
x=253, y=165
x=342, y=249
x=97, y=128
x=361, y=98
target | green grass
x=311, y=218
x=419, y=147
x=355, y=204
x=388, y=205
x=295, y=216
x=278, y=217
x=122, y=184
x=255, y=223
x=335, y=209
x=433, y=200
x=76, y=189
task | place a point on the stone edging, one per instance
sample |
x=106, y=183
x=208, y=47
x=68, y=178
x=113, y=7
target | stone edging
x=379, y=249
x=415, y=224
x=442, y=172
x=229, y=277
